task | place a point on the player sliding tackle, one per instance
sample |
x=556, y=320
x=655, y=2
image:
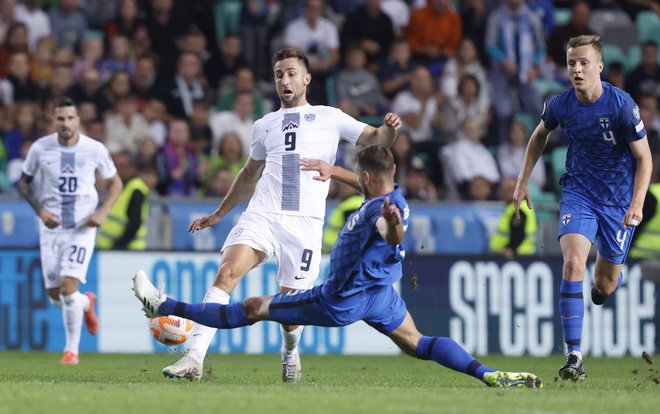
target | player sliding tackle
x=364, y=263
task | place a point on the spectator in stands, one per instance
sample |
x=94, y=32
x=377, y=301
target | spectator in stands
x=516, y=48
x=434, y=31
x=200, y=129
x=239, y=120
x=244, y=82
x=68, y=23
x=186, y=86
x=359, y=92
x=545, y=11
x=7, y=17
x=474, y=17
x=254, y=37
x=126, y=225
x=418, y=185
x=125, y=126
x=193, y=41
x=558, y=38
x=616, y=75
x=176, y=162
x=396, y=71
x=318, y=38
x=100, y=12
x=21, y=86
x=41, y=67
x=470, y=159
x=399, y=13
x=219, y=184
x=144, y=80
x=24, y=128
x=648, y=111
x=60, y=81
x=479, y=189
x=126, y=21
x=118, y=85
x=371, y=29
x=229, y=155
x=15, y=42
x=165, y=23
x=403, y=153
x=147, y=154
x=223, y=66
x=120, y=58
x=155, y=114
x=645, y=78
x=141, y=42
x=30, y=13
x=510, y=156
x=467, y=104
x=465, y=61
x=92, y=53
x=514, y=236
x=89, y=89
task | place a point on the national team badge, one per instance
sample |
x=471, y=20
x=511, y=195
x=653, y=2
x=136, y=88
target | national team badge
x=310, y=117
x=291, y=121
x=636, y=112
x=565, y=218
x=604, y=122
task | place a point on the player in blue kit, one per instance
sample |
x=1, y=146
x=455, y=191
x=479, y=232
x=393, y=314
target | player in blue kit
x=608, y=171
x=364, y=263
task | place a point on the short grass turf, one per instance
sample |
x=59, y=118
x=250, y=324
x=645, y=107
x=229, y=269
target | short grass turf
x=33, y=382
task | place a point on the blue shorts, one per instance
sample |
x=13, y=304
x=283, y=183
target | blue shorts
x=381, y=307
x=602, y=224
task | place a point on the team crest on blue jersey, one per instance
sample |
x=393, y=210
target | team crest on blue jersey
x=636, y=112
x=604, y=122
x=565, y=218
x=310, y=117
x=291, y=121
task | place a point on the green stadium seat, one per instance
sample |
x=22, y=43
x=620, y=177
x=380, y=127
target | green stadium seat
x=547, y=88
x=529, y=120
x=562, y=16
x=634, y=58
x=612, y=54
x=331, y=90
x=227, y=16
x=648, y=24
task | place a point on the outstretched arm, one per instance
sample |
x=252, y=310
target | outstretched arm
x=534, y=150
x=327, y=171
x=384, y=135
x=241, y=189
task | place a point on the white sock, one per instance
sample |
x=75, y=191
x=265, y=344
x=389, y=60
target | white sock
x=290, y=342
x=72, y=315
x=202, y=335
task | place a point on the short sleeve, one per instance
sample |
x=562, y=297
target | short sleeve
x=630, y=120
x=105, y=166
x=257, y=148
x=30, y=165
x=350, y=128
x=550, y=121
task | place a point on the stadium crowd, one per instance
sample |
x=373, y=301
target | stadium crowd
x=177, y=84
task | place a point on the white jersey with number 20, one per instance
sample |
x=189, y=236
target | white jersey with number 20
x=282, y=138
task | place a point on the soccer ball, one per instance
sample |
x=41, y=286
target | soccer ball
x=170, y=330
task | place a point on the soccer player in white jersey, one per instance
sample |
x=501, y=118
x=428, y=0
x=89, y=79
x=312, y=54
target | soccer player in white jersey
x=285, y=214
x=66, y=204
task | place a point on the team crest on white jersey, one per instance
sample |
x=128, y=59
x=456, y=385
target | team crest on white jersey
x=604, y=122
x=310, y=117
x=291, y=121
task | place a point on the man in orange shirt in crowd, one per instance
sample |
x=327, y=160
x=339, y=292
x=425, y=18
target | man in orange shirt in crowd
x=434, y=31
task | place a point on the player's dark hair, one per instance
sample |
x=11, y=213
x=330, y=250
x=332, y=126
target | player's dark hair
x=63, y=102
x=375, y=159
x=586, y=40
x=291, y=52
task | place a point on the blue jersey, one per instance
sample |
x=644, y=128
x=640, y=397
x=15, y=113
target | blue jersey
x=361, y=258
x=599, y=163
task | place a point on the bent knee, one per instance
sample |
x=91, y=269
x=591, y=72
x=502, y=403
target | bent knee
x=574, y=268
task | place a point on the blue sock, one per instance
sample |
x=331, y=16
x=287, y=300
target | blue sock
x=446, y=352
x=210, y=314
x=571, y=310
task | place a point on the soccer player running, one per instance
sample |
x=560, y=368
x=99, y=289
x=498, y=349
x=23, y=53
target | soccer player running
x=608, y=170
x=364, y=263
x=67, y=206
x=285, y=214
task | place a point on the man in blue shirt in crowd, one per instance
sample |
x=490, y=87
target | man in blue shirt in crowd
x=364, y=263
x=608, y=171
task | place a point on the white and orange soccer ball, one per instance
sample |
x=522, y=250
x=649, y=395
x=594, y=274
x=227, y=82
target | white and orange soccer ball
x=170, y=330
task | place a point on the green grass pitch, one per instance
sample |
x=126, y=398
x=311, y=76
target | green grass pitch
x=34, y=382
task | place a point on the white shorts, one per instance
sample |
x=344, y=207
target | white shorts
x=294, y=240
x=66, y=253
